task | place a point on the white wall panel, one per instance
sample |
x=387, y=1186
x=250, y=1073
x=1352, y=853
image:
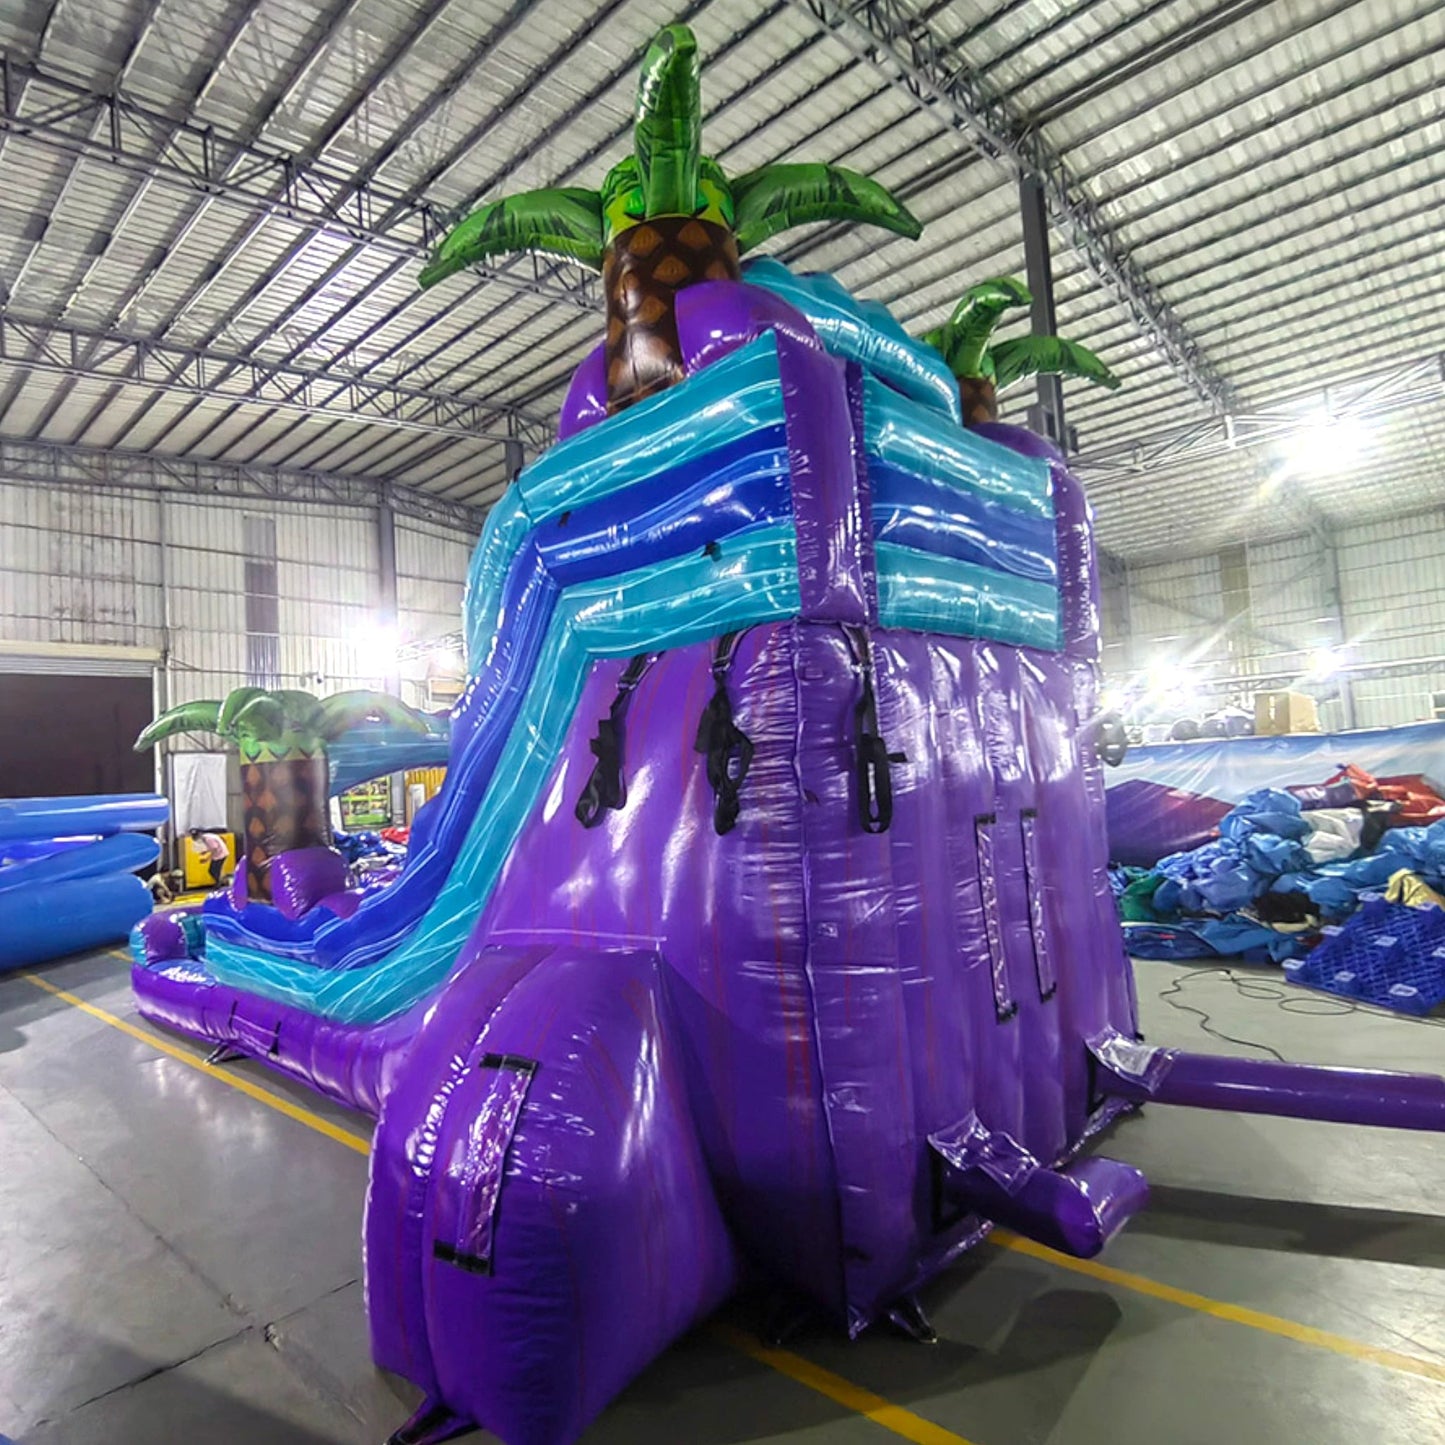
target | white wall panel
x=1390, y=611
x=431, y=572
x=87, y=567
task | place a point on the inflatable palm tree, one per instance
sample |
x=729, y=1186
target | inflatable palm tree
x=281, y=737
x=666, y=217
x=983, y=369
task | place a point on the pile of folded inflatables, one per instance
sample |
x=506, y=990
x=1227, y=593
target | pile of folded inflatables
x=1286, y=864
x=355, y=846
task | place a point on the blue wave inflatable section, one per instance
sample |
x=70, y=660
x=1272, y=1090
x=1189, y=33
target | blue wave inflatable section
x=865, y=332
x=668, y=524
x=98, y=815
x=901, y=433
x=666, y=604
x=59, y=896
x=67, y=917
x=122, y=853
x=693, y=474
x=963, y=528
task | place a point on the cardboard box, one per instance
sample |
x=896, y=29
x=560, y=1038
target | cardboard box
x=1276, y=713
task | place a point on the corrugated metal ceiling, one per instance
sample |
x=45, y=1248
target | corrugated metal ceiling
x=1271, y=170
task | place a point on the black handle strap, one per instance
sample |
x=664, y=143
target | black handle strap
x=875, y=782
x=1111, y=739
x=606, y=787
x=729, y=750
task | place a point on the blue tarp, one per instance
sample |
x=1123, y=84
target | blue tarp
x=1165, y=797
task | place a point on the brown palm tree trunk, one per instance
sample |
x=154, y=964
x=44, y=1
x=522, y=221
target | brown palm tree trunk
x=285, y=808
x=644, y=269
x=980, y=400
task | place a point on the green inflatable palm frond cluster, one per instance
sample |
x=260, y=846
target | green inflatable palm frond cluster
x=667, y=175
x=965, y=341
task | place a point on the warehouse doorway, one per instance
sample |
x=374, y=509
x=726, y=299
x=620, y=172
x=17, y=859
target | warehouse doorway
x=62, y=736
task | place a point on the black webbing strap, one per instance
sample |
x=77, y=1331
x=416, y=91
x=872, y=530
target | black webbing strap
x=875, y=784
x=607, y=788
x=729, y=750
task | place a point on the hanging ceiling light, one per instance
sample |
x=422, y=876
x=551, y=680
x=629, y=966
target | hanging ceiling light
x=1324, y=446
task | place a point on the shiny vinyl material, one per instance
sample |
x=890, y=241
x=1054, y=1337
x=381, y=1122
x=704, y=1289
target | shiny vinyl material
x=68, y=917
x=27, y=819
x=66, y=867
x=762, y=928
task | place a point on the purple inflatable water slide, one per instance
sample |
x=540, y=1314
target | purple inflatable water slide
x=762, y=931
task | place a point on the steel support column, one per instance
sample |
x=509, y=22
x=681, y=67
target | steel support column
x=387, y=608
x=1047, y=415
x=1335, y=598
x=1116, y=618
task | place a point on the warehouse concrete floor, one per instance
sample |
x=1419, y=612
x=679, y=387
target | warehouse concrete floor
x=180, y=1261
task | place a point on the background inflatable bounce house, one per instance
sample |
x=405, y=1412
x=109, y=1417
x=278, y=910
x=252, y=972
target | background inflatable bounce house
x=67, y=872
x=762, y=929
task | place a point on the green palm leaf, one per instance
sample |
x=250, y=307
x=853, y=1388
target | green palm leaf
x=668, y=135
x=773, y=198
x=967, y=331
x=344, y=710
x=236, y=699
x=303, y=710
x=1051, y=356
x=565, y=221
x=262, y=718
x=188, y=717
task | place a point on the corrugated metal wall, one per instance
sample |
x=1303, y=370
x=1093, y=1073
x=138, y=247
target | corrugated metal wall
x=79, y=567
x=1382, y=596
x=114, y=568
x=1392, y=580
x=431, y=568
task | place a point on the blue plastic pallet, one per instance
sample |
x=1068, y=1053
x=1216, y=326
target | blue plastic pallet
x=1386, y=954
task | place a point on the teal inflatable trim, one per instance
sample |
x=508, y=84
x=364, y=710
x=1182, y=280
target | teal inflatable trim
x=923, y=592
x=503, y=537
x=865, y=332
x=753, y=579
x=730, y=399
x=909, y=437
x=737, y=396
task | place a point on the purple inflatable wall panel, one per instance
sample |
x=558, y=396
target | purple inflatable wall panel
x=728, y=916
x=666, y=1054
x=538, y=1176
x=788, y=976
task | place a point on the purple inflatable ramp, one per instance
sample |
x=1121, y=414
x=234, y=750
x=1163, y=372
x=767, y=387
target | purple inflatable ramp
x=1134, y=1071
x=1077, y=1209
x=540, y=1223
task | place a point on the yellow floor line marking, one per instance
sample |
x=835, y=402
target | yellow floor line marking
x=795, y=1366
x=891, y=1417
x=1221, y=1310
x=230, y=1078
x=853, y=1397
